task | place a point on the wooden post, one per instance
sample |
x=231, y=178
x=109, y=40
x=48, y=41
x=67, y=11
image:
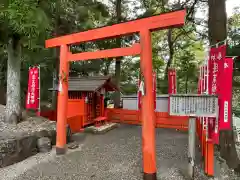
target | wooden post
x=209, y=159
x=191, y=145
x=62, y=101
x=203, y=140
x=147, y=110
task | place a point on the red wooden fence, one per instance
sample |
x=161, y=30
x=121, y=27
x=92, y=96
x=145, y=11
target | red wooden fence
x=163, y=120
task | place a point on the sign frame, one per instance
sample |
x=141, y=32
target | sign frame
x=186, y=107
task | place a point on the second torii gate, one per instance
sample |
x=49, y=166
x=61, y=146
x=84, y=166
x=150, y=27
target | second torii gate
x=142, y=26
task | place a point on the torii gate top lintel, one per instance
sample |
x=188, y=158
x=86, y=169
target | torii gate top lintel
x=153, y=23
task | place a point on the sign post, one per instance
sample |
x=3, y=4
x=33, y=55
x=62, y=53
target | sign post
x=191, y=145
x=193, y=105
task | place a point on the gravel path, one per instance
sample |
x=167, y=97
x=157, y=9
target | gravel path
x=115, y=155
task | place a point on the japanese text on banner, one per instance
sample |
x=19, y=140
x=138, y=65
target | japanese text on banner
x=217, y=55
x=33, y=89
x=172, y=83
x=226, y=96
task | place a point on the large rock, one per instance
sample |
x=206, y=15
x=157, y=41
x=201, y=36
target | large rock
x=44, y=144
x=51, y=134
x=17, y=149
x=17, y=142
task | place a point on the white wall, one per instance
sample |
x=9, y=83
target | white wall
x=131, y=103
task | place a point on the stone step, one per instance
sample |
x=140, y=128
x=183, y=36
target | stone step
x=101, y=129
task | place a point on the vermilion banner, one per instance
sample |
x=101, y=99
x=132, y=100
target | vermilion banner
x=200, y=90
x=225, y=114
x=204, y=120
x=215, y=66
x=172, y=81
x=199, y=86
x=32, y=100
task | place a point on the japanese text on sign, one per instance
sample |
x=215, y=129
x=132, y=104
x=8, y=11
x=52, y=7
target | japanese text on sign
x=194, y=105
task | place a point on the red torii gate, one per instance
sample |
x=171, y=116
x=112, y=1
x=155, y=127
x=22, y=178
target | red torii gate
x=142, y=26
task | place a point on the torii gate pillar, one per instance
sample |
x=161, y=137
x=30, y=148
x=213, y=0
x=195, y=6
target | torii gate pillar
x=147, y=110
x=62, y=100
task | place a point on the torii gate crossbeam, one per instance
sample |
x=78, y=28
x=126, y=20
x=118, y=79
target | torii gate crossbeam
x=142, y=26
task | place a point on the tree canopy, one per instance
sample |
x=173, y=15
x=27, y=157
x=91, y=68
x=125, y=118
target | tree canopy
x=32, y=22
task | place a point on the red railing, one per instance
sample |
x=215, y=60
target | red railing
x=163, y=120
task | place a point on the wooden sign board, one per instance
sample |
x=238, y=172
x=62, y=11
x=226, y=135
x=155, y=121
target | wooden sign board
x=194, y=105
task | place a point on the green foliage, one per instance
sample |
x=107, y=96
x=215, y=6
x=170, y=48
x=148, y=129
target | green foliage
x=187, y=59
x=234, y=50
x=36, y=21
x=234, y=34
x=23, y=17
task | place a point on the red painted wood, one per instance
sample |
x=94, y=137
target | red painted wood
x=144, y=27
x=62, y=98
x=162, y=21
x=101, y=118
x=117, y=52
x=163, y=120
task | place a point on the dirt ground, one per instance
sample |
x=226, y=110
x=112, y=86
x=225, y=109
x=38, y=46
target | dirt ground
x=115, y=155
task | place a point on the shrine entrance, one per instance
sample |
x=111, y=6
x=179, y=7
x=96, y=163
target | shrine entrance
x=143, y=27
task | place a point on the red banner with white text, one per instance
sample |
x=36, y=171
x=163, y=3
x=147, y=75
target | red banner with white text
x=172, y=81
x=217, y=56
x=32, y=99
x=204, y=120
x=225, y=114
x=200, y=91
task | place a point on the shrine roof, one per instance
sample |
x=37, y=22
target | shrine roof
x=90, y=83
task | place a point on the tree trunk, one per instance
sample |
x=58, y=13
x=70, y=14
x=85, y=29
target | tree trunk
x=217, y=21
x=217, y=24
x=106, y=69
x=170, y=59
x=13, y=106
x=55, y=79
x=171, y=52
x=117, y=97
x=57, y=61
x=186, y=84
